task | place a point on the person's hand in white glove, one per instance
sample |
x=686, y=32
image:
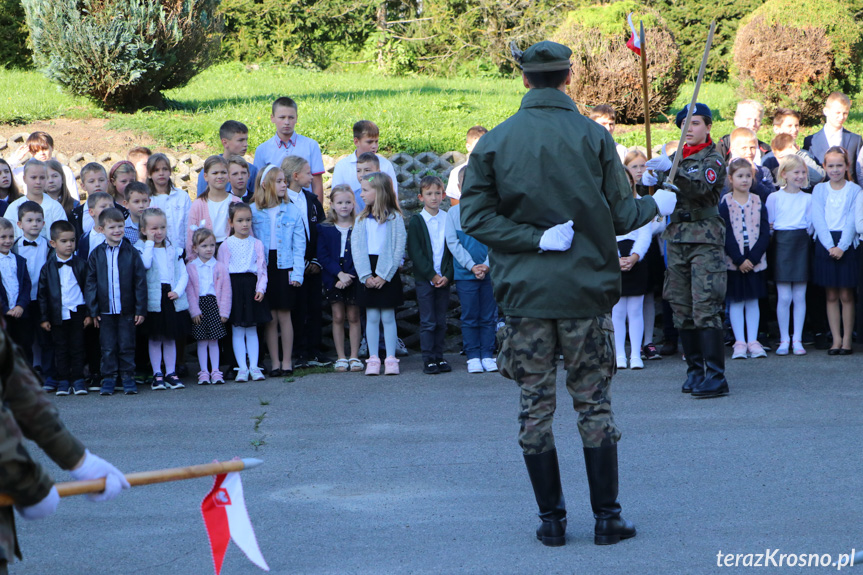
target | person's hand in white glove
x=661, y=163
x=557, y=238
x=648, y=179
x=43, y=509
x=94, y=467
x=665, y=201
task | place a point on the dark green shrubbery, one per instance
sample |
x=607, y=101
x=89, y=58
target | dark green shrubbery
x=794, y=53
x=14, y=51
x=123, y=53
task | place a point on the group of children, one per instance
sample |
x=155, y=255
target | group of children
x=127, y=275
x=793, y=218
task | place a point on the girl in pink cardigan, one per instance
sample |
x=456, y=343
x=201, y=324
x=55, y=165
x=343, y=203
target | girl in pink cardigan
x=210, y=208
x=209, y=295
x=244, y=257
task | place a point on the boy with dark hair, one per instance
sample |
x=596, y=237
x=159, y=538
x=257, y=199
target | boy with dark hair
x=33, y=247
x=453, y=188
x=836, y=110
x=40, y=145
x=235, y=142
x=62, y=308
x=695, y=279
x=239, y=180
x=366, y=140
x=605, y=116
x=136, y=199
x=367, y=163
x=15, y=295
x=139, y=156
x=433, y=270
x=116, y=294
x=97, y=203
x=288, y=142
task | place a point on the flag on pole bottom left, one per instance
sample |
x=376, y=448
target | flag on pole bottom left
x=226, y=518
x=634, y=42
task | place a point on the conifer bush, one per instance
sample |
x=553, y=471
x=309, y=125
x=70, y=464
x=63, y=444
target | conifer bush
x=123, y=53
x=605, y=71
x=794, y=53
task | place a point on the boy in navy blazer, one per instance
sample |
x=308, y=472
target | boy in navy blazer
x=15, y=295
x=62, y=308
x=836, y=110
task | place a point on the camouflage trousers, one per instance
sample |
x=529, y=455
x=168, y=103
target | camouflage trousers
x=527, y=356
x=695, y=285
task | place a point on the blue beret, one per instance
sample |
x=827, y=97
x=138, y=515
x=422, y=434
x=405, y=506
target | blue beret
x=700, y=110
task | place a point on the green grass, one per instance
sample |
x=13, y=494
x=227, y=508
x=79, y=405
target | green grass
x=415, y=114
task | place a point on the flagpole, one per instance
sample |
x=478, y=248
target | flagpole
x=644, y=90
x=70, y=488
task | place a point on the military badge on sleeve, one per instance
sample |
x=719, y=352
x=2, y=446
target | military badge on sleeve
x=710, y=176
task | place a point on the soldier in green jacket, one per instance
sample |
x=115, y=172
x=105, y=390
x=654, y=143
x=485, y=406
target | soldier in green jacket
x=546, y=192
x=696, y=275
x=27, y=412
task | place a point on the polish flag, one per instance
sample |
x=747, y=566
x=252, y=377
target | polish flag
x=226, y=518
x=634, y=42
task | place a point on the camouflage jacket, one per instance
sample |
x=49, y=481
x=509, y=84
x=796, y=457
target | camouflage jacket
x=700, y=178
x=27, y=412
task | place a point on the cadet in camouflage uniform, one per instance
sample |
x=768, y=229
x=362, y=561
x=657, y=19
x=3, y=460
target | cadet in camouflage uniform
x=696, y=275
x=543, y=181
x=27, y=412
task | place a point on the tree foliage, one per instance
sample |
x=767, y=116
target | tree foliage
x=605, y=71
x=794, y=53
x=14, y=51
x=123, y=53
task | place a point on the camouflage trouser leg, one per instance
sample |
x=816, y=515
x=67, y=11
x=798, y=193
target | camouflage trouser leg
x=527, y=357
x=695, y=285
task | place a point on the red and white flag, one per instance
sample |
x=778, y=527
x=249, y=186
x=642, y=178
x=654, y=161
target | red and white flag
x=634, y=42
x=226, y=518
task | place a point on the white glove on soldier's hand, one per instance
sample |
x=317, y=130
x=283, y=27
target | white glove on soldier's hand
x=43, y=509
x=94, y=467
x=648, y=179
x=557, y=238
x=665, y=201
x=661, y=163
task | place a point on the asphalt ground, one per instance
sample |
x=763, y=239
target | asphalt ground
x=422, y=474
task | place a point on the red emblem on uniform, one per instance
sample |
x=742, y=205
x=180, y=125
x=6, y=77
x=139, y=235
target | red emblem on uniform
x=710, y=175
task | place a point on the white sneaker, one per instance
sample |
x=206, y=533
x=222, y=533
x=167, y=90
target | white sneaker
x=257, y=374
x=621, y=362
x=635, y=362
x=474, y=365
x=489, y=364
x=242, y=375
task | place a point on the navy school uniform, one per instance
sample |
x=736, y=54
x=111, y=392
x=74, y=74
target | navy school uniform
x=332, y=263
x=306, y=316
x=18, y=328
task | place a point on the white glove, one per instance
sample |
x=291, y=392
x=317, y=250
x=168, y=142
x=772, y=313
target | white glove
x=94, y=467
x=557, y=238
x=665, y=201
x=43, y=509
x=648, y=179
x=661, y=163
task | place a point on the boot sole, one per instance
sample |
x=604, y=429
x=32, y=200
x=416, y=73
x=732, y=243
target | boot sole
x=610, y=539
x=710, y=395
x=552, y=541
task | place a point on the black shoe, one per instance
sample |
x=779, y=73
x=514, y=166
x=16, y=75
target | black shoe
x=443, y=366
x=844, y=351
x=713, y=350
x=694, y=359
x=544, y=473
x=601, y=465
x=649, y=352
x=431, y=368
x=278, y=372
x=833, y=351
x=668, y=348
x=301, y=363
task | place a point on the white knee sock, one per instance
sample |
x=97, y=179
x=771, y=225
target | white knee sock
x=783, y=308
x=388, y=317
x=798, y=295
x=155, y=349
x=170, y=351
x=252, y=346
x=202, y=355
x=753, y=316
x=618, y=319
x=635, y=315
x=649, y=318
x=238, y=338
x=373, y=330
x=735, y=312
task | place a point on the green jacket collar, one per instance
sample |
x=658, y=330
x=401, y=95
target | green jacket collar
x=547, y=98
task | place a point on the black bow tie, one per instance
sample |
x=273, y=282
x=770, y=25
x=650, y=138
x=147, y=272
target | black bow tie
x=66, y=263
x=29, y=243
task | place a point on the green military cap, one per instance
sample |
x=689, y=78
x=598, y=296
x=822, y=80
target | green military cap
x=546, y=56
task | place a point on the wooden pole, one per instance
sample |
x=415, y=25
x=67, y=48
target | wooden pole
x=70, y=488
x=644, y=92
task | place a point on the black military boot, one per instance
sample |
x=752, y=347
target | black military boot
x=691, y=343
x=601, y=464
x=544, y=475
x=713, y=348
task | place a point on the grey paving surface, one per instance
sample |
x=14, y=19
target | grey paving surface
x=420, y=474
